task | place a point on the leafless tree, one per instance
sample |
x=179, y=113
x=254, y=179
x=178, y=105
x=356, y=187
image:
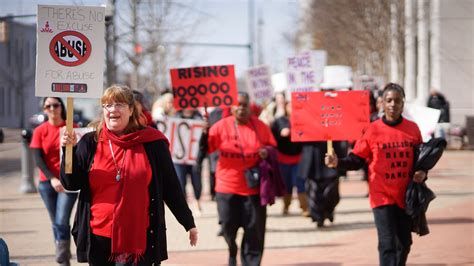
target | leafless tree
x=152, y=35
x=356, y=33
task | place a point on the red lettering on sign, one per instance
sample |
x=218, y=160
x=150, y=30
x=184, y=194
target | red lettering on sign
x=70, y=48
x=192, y=140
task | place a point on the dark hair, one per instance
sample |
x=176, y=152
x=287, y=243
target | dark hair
x=393, y=87
x=63, y=108
x=139, y=97
x=244, y=94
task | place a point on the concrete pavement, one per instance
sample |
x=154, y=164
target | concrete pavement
x=290, y=240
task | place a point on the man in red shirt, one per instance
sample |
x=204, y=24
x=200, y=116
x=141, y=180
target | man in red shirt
x=240, y=140
x=388, y=147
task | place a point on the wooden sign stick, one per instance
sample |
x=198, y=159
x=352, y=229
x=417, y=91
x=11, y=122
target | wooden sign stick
x=330, y=148
x=69, y=123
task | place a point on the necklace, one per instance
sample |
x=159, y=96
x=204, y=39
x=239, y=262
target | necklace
x=119, y=170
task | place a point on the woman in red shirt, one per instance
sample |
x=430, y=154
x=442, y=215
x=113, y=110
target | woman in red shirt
x=388, y=147
x=125, y=173
x=45, y=147
x=240, y=140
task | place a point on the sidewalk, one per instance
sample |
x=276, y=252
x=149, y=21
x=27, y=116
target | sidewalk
x=290, y=240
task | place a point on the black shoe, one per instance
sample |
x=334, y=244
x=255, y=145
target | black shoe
x=331, y=217
x=320, y=224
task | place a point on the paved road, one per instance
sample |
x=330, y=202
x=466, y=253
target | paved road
x=290, y=240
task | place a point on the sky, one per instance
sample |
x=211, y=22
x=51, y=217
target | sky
x=226, y=22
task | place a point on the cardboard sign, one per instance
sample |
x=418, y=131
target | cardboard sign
x=305, y=71
x=259, y=83
x=183, y=135
x=204, y=86
x=70, y=51
x=426, y=118
x=330, y=115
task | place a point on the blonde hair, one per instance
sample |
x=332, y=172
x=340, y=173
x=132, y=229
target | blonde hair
x=120, y=94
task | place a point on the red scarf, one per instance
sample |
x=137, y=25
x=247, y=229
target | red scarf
x=130, y=221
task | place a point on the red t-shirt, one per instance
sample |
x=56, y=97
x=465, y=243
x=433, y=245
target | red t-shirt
x=104, y=187
x=46, y=138
x=389, y=152
x=227, y=136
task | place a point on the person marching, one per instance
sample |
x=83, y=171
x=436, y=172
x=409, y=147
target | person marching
x=184, y=169
x=240, y=140
x=125, y=173
x=388, y=146
x=289, y=156
x=45, y=147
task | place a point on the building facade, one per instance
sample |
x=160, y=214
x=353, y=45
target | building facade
x=452, y=55
x=17, y=74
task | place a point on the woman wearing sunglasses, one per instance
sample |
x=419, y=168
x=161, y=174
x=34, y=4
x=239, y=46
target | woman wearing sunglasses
x=45, y=147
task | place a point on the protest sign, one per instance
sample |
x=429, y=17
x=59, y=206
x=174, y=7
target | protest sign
x=259, y=84
x=330, y=115
x=204, y=86
x=70, y=51
x=426, y=118
x=183, y=135
x=305, y=71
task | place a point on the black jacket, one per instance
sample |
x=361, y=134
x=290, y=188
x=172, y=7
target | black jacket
x=164, y=188
x=418, y=196
x=439, y=102
x=284, y=144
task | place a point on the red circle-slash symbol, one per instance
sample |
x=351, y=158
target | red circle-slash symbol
x=70, y=55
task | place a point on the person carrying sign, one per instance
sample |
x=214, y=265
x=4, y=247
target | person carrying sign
x=388, y=146
x=240, y=140
x=183, y=169
x=322, y=183
x=59, y=204
x=125, y=173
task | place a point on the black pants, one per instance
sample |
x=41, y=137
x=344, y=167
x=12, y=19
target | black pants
x=243, y=211
x=100, y=253
x=394, y=234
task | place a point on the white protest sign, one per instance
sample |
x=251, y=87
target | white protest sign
x=183, y=135
x=70, y=51
x=305, y=71
x=426, y=118
x=337, y=78
x=259, y=83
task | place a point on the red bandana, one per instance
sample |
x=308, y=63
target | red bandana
x=130, y=221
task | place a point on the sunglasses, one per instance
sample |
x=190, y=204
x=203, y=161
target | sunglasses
x=54, y=105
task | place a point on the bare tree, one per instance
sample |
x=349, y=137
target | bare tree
x=356, y=33
x=152, y=37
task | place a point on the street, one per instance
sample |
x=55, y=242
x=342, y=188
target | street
x=290, y=240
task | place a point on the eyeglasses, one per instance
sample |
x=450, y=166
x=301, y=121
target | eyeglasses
x=54, y=105
x=118, y=106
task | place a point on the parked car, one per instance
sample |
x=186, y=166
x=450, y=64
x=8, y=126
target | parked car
x=38, y=118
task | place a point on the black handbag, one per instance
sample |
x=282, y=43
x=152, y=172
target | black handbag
x=252, y=176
